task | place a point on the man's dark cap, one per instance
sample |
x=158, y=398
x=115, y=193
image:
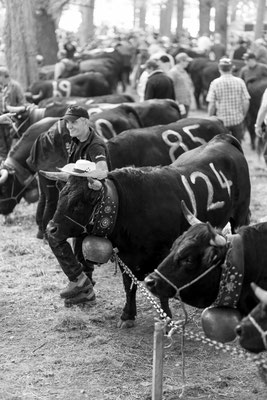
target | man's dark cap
x=75, y=112
x=249, y=56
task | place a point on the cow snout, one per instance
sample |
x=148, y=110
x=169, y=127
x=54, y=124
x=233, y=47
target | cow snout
x=238, y=330
x=51, y=228
x=150, y=284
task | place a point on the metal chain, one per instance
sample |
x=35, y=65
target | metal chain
x=177, y=326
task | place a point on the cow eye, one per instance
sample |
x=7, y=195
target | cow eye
x=187, y=261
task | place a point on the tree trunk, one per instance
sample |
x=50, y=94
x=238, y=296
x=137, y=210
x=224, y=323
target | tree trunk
x=180, y=17
x=204, y=16
x=221, y=13
x=142, y=15
x=166, y=18
x=260, y=18
x=46, y=37
x=87, y=8
x=20, y=40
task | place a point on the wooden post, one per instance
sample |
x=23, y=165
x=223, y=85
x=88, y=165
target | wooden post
x=157, y=374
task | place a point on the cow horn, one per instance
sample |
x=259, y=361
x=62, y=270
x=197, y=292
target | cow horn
x=191, y=218
x=218, y=241
x=260, y=293
x=3, y=175
x=54, y=176
x=37, y=96
x=94, y=184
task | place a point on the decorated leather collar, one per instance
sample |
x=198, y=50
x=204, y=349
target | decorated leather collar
x=106, y=215
x=232, y=274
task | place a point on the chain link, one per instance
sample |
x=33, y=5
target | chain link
x=177, y=327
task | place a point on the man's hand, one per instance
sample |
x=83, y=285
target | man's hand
x=6, y=119
x=258, y=131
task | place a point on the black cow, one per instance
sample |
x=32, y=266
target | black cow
x=27, y=116
x=161, y=144
x=16, y=180
x=109, y=62
x=195, y=70
x=230, y=264
x=83, y=101
x=252, y=330
x=84, y=85
x=135, y=115
x=213, y=176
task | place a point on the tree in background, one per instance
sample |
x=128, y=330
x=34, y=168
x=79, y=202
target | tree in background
x=47, y=14
x=221, y=13
x=20, y=41
x=86, y=30
x=204, y=16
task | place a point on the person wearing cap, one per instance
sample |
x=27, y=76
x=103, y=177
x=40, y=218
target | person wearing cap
x=158, y=84
x=85, y=145
x=13, y=100
x=182, y=83
x=252, y=71
x=228, y=99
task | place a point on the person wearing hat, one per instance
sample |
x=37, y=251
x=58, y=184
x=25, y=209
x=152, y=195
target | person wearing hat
x=252, y=71
x=86, y=144
x=183, y=87
x=228, y=99
x=158, y=84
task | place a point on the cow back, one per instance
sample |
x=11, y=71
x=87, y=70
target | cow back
x=161, y=144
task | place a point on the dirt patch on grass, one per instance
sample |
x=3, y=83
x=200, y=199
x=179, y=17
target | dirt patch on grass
x=50, y=352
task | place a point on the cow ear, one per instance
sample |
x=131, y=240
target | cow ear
x=260, y=293
x=94, y=184
x=216, y=239
x=54, y=176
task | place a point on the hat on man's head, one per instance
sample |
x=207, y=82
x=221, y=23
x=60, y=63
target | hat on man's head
x=75, y=112
x=225, y=61
x=249, y=56
x=182, y=57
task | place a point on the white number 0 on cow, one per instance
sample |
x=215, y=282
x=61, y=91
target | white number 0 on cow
x=223, y=181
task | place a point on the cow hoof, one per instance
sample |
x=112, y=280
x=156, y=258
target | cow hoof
x=129, y=323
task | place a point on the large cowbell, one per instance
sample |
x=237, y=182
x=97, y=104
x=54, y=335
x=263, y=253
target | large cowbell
x=97, y=249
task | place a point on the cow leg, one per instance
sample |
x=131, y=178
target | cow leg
x=129, y=310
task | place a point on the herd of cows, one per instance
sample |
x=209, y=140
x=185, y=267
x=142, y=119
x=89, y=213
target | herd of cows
x=161, y=167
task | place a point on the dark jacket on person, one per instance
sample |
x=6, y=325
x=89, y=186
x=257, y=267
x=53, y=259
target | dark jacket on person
x=159, y=86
